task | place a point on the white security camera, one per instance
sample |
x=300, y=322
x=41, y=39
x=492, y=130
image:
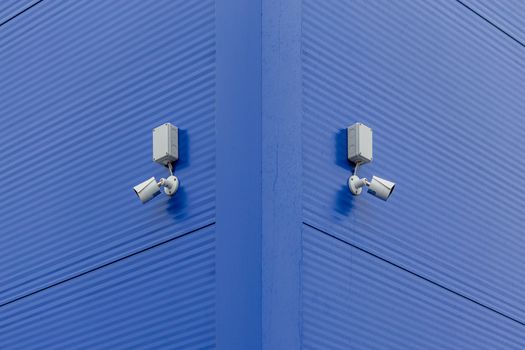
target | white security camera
x=165, y=152
x=147, y=190
x=381, y=188
x=150, y=188
x=378, y=187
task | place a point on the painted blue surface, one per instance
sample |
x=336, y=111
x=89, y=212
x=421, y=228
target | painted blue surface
x=282, y=175
x=81, y=90
x=162, y=297
x=83, y=84
x=506, y=15
x=9, y=9
x=353, y=300
x=442, y=90
x=238, y=184
x=263, y=246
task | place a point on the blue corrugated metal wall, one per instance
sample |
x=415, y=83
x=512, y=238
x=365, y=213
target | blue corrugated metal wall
x=10, y=9
x=163, y=297
x=83, y=263
x=505, y=15
x=440, y=265
x=354, y=300
x=289, y=258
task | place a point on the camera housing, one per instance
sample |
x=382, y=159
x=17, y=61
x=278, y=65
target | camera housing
x=381, y=188
x=378, y=187
x=147, y=190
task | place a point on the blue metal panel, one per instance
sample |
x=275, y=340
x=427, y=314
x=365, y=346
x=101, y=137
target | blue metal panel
x=282, y=174
x=84, y=265
x=507, y=15
x=9, y=9
x=83, y=84
x=353, y=300
x=161, y=298
x=443, y=91
x=238, y=119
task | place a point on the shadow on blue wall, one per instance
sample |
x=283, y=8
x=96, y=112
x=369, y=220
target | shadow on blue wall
x=341, y=150
x=177, y=204
x=184, y=150
x=344, y=200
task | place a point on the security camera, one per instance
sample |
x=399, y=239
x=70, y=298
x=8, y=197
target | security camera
x=378, y=187
x=165, y=152
x=150, y=188
x=147, y=190
x=381, y=188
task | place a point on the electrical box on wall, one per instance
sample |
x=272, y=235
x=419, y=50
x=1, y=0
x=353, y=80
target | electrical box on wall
x=166, y=144
x=359, y=143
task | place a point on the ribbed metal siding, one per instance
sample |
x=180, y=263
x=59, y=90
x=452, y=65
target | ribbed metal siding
x=160, y=298
x=10, y=8
x=352, y=300
x=505, y=14
x=83, y=84
x=443, y=91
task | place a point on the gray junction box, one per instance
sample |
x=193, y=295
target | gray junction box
x=359, y=143
x=166, y=144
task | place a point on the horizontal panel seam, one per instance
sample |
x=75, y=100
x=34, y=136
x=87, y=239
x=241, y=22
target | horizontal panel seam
x=99, y=267
x=12, y=17
x=490, y=22
x=353, y=245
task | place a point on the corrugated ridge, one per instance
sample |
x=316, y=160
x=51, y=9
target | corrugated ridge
x=79, y=109
x=505, y=15
x=414, y=273
x=352, y=300
x=10, y=9
x=99, y=266
x=423, y=75
x=162, y=298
